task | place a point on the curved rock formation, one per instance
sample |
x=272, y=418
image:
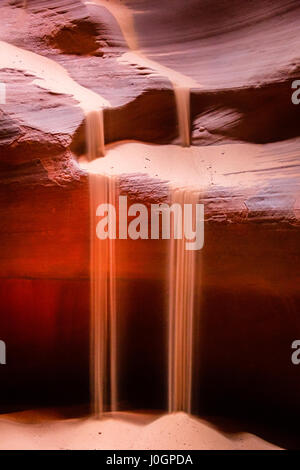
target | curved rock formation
x=243, y=57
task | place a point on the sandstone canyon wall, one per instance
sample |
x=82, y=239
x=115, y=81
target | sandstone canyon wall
x=242, y=58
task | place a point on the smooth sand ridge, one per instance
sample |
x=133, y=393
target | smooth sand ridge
x=49, y=75
x=228, y=165
x=181, y=431
x=181, y=83
x=177, y=431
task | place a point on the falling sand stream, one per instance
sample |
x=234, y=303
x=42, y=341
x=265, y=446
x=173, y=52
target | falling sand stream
x=103, y=261
x=103, y=336
x=181, y=311
x=182, y=84
x=181, y=293
x=103, y=189
x=51, y=76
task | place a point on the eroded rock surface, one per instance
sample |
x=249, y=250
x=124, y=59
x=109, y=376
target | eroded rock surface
x=243, y=57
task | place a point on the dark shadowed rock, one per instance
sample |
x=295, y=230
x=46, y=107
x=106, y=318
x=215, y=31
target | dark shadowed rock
x=244, y=56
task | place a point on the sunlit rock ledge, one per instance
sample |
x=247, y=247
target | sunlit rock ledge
x=244, y=159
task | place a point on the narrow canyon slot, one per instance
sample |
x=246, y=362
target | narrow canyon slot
x=150, y=225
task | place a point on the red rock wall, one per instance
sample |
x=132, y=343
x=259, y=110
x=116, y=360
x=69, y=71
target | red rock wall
x=243, y=54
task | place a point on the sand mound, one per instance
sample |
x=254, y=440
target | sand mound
x=181, y=431
x=177, y=431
